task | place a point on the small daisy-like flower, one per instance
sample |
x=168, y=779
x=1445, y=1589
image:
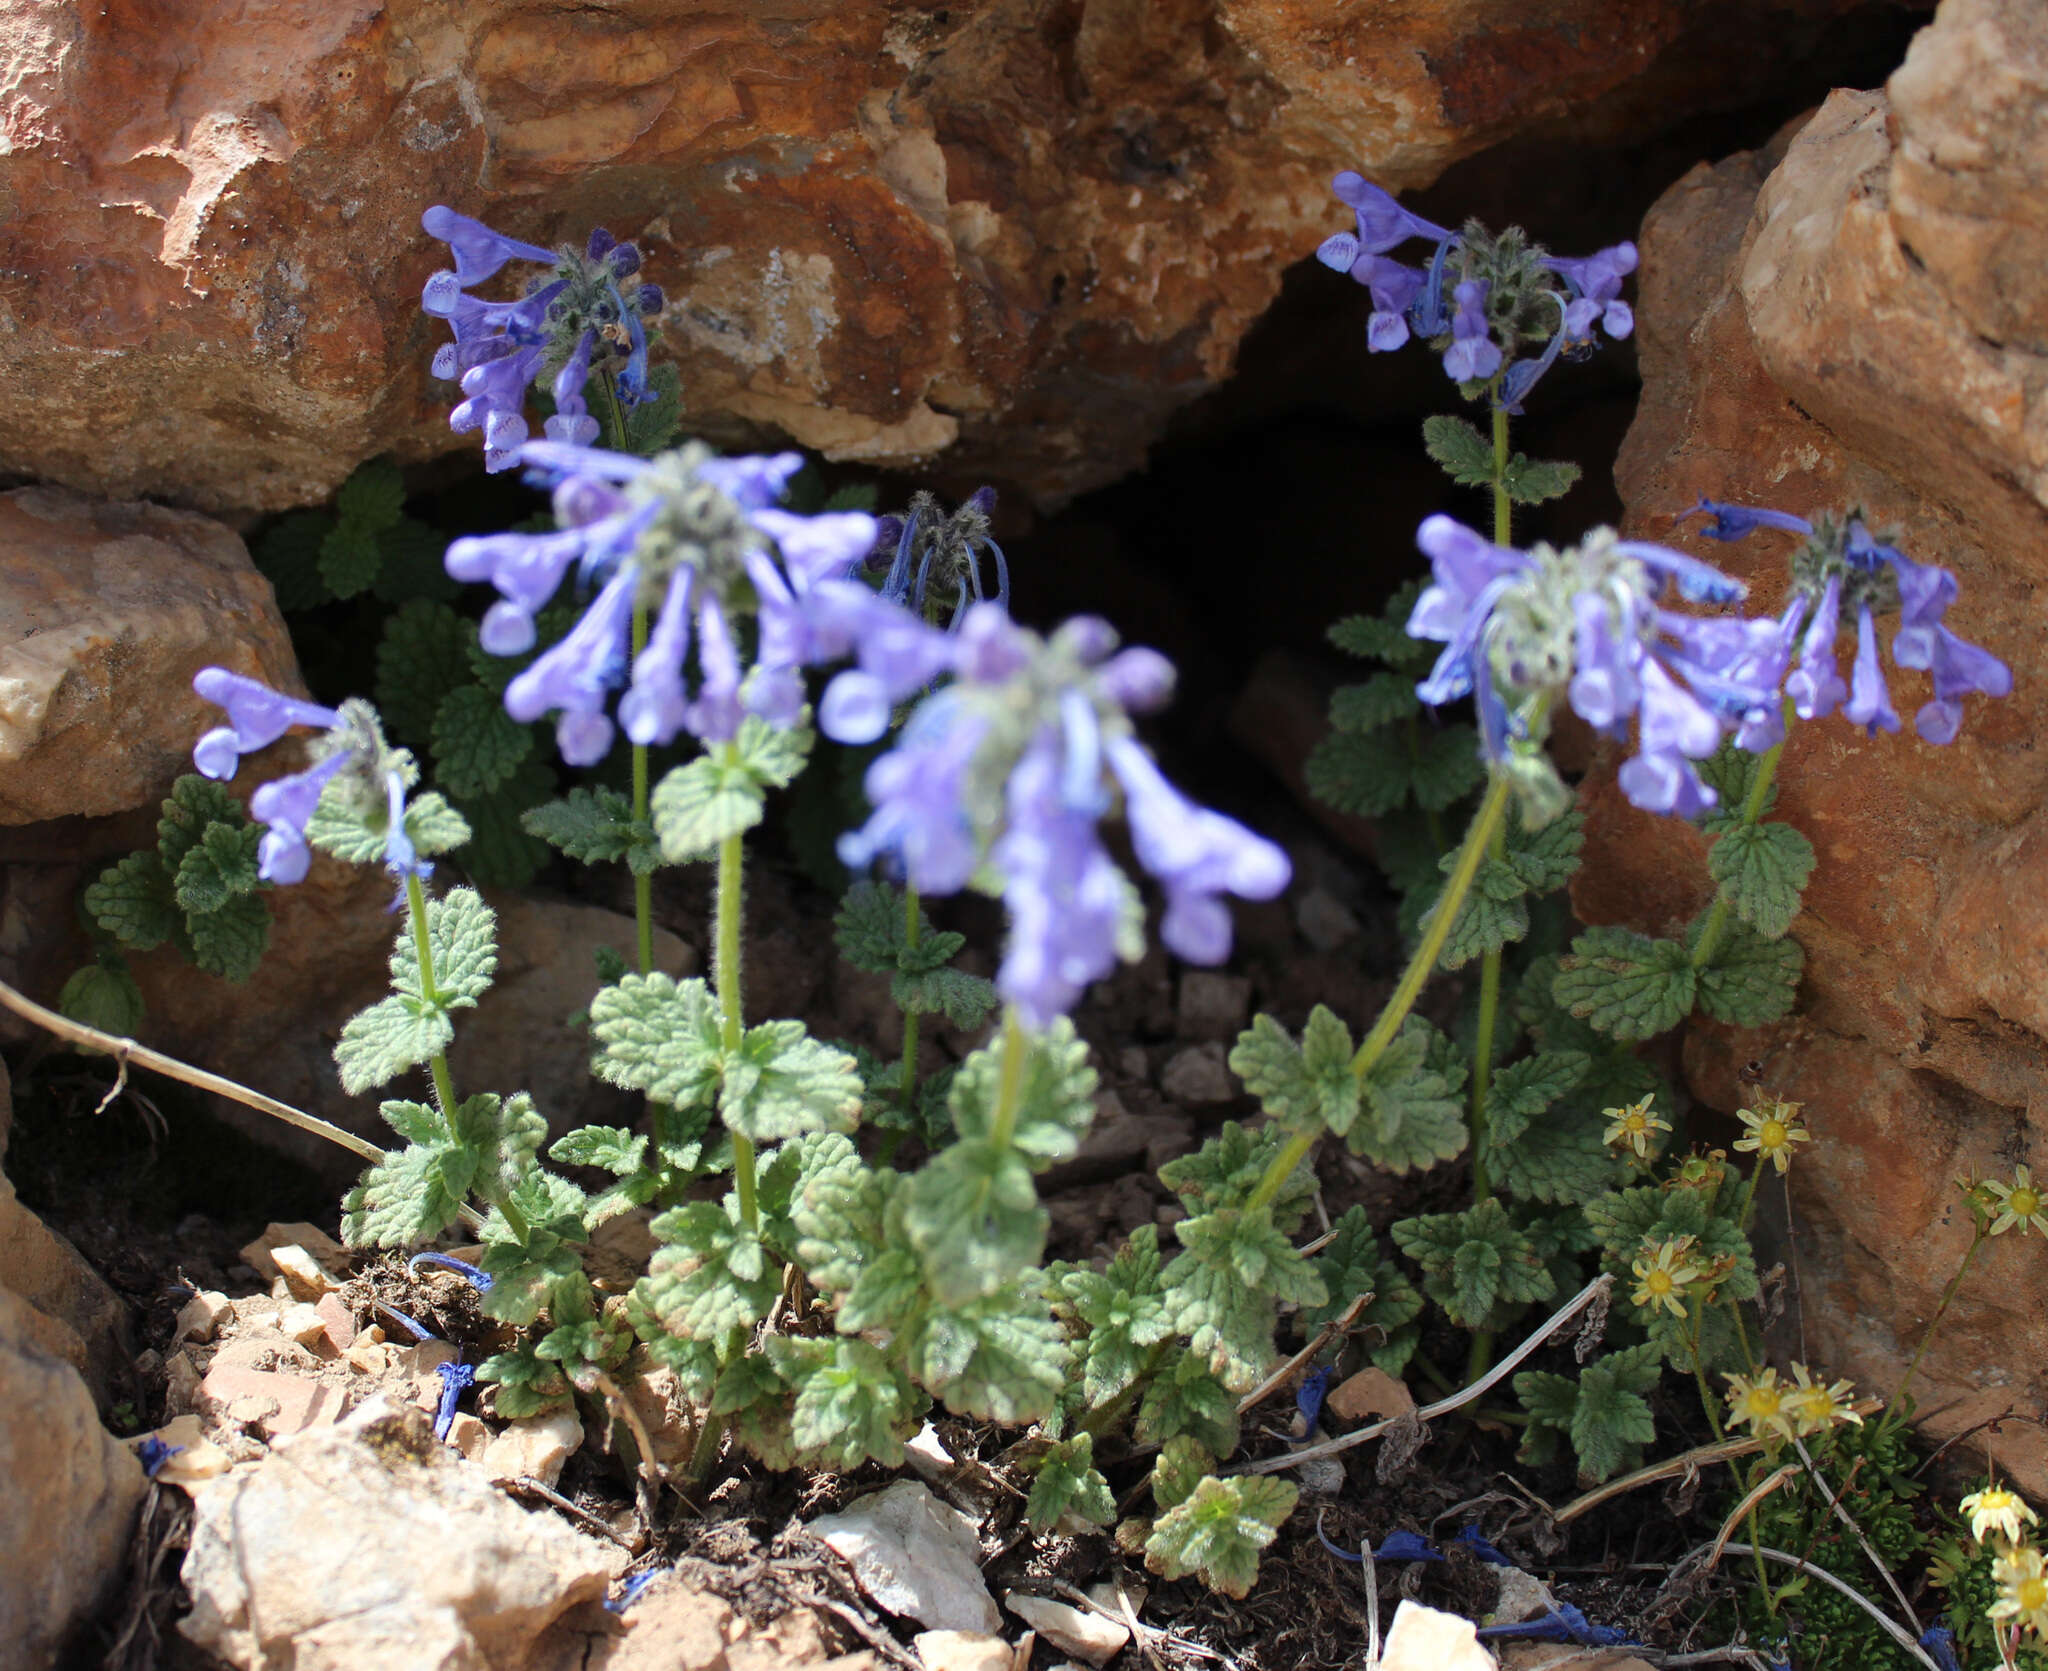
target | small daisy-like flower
x=1774, y=1126
x=1634, y=1127
x=1661, y=1275
x=1818, y=1405
x=1995, y=1509
x=1763, y=1405
x=2022, y=1588
x=2019, y=1203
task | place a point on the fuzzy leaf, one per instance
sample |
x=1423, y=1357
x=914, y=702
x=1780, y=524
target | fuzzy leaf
x=836, y=1210
x=133, y=901
x=462, y=938
x=1474, y=1261
x=1546, y=859
x=1227, y=1168
x=613, y=1148
x=1056, y=1102
x=221, y=865
x=1761, y=870
x=412, y=553
x=1559, y=1156
x=1185, y=1399
x=527, y=1384
x=1309, y=1086
x=963, y=999
x=392, y=1035
x=1459, y=449
x=596, y=827
x=1611, y=1420
x=106, y=997
x=1491, y=915
x=1221, y=1290
x=410, y=1196
x=1750, y=981
x=781, y=1083
x=505, y=1134
x=660, y=1036
x=885, y=1294
x=229, y=941
x=287, y=553
x=1522, y=1090
x=420, y=661
x=1182, y=1465
x=349, y=558
x=1067, y=1480
x=1384, y=637
x=1414, y=1117
x=651, y=426
x=1219, y=1531
x=1124, y=1313
x=870, y=927
x=1365, y=773
x=1002, y=1358
x=1354, y=1264
x=851, y=1405
x=1731, y=773
x=195, y=804
x=973, y=1216
x=1381, y=700
x=1531, y=481
x=1448, y=768
x=373, y=496
x=711, y=1276
x=356, y=835
x=477, y=745
x=697, y=806
x=1627, y=985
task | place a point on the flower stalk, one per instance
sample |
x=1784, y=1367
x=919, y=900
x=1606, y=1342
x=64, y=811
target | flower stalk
x=1752, y=810
x=729, y=998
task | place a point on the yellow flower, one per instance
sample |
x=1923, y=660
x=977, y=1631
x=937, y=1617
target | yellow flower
x=2022, y=1588
x=1774, y=1127
x=1661, y=1278
x=1634, y=1128
x=1817, y=1406
x=1997, y=1509
x=1760, y=1404
x=2019, y=1202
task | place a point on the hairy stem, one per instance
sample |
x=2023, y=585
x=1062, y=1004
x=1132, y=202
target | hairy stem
x=1010, y=1088
x=1482, y=1049
x=643, y=885
x=1752, y=810
x=1477, y=838
x=727, y=971
x=1503, y=509
x=911, y=921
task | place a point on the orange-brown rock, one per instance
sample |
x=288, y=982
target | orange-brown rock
x=1015, y=232
x=1799, y=352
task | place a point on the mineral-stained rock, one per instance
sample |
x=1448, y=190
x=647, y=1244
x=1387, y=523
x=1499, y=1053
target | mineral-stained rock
x=372, y=1544
x=71, y=1495
x=1798, y=353
x=106, y=612
x=1016, y=232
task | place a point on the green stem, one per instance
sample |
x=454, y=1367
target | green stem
x=1697, y=1318
x=912, y=918
x=1010, y=1088
x=1891, y=1416
x=1502, y=505
x=1482, y=1048
x=1749, y=1193
x=727, y=973
x=615, y=429
x=437, y=1064
x=1484, y=822
x=643, y=885
x=1752, y=810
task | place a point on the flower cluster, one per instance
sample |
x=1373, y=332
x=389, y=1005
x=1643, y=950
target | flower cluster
x=350, y=752
x=1842, y=568
x=1505, y=293
x=1775, y=1412
x=695, y=542
x=582, y=312
x=1002, y=777
x=930, y=554
x=1519, y=628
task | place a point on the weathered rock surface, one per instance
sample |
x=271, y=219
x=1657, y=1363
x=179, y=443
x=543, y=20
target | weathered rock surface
x=1808, y=340
x=75, y=1315
x=72, y=1492
x=1018, y=233
x=915, y=1556
x=371, y=1544
x=106, y=612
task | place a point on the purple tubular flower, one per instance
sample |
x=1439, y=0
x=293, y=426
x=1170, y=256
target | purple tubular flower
x=285, y=804
x=1382, y=222
x=1735, y=522
x=1870, y=702
x=1959, y=669
x=1596, y=286
x=1816, y=686
x=1473, y=355
x=257, y=717
x=575, y=674
x=481, y=1281
x=652, y=712
x=572, y=421
x=917, y=791
x=456, y=1378
x=479, y=252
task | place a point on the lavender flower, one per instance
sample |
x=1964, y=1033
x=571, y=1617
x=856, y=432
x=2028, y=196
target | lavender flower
x=692, y=540
x=1509, y=294
x=350, y=754
x=580, y=314
x=1001, y=779
x=456, y=1379
x=1841, y=566
x=1520, y=628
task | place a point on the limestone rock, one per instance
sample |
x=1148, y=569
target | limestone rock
x=1424, y=1639
x=1073, y=1630
x=110, y=610
x=963, y=1650
x=915, y=1556
x=74, y=1314
x=534, y=1447
x=371, y=1544
x=1804, y=345
x=72, y=1492
x=1015, y=234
